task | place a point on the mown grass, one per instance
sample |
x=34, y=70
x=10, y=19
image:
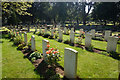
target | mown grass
x=90, y=65
x=13, y=63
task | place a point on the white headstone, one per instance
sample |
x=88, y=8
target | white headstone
x=44, y=46
x=25, y=38
x=81, y=30
x=65, y=30
x=107, y=34
x=88, y=39
x=45, y=30
x=33, y=43
x=35, y=28
x=60, y=35
x=72, y=36
x=72, y=29
x=58, y=28
x=16, y=33
x=93, y=33
x=20, y=33
x=112, y=43
x=40, y=30
x=70, y=62
x=52, y=32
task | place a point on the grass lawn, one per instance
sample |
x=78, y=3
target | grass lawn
x=13, y=63
x=90, y=65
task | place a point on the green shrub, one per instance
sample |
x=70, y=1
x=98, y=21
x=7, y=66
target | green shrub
x=90, y=48
x=46, y=35
x=20, y=46
x=18, y=40
x=35, y=55
x=79, y=40
x=51, y=37
x=34, y=32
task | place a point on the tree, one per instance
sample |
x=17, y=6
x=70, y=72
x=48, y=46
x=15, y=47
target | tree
x=105, y=11
x=11, y=11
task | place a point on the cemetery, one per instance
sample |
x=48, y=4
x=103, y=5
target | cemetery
x=60, y=51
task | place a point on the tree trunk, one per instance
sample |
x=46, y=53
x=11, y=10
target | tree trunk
x=114, y=23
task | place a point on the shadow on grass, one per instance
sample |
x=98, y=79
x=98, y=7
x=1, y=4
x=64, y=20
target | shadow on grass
x=48, y=72
x=115, y=55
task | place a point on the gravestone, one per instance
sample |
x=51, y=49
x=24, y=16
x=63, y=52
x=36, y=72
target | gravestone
x=20, y=33
x=60, y=35
x=93, y=33
x=81, y=31
x=65, y=30
x=107, y=34
x=45, y=30
x=88, y=37
x=35, y=28
x=16, y=33
x=70, y=62
x=44, y=46
x=72, y=36
x=33, y=43
x=112, y=43
x=52, y=32
x=58, y=28
x=72, y=29
x=25, y=38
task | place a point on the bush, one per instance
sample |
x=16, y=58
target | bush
x=18, y=40
x=51, y=37
x=35, y=55
x=59, y=40
x=34, y=32
x=67, y=41
x=52, y=56
x=79, y=40
x=90, y=48
x=20, y=46
x=46, y=35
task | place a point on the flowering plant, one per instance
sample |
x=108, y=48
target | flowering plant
x=82, y=34
x=79, y=40
x=52, y=55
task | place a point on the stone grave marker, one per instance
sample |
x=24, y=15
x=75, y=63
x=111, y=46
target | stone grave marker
x=60, y=35
x=107, y=34
x=112, y=43
x=25, y=38
x=88, y=37
x=81, y=30
x=93, y=33
x=44, y=46
x=72, y=36
x=33, y=43
x=52, y=32
x=70, y=62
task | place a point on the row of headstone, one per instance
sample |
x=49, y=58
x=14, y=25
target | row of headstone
x=111, y=42
x=88, y=37
x=70, y=60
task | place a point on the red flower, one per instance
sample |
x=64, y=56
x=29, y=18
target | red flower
x=17, y=32
x=52, y=49
x=30, y=39
x=47, y=52
x=55, y=52
x=118, y=36
x=48, y=46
